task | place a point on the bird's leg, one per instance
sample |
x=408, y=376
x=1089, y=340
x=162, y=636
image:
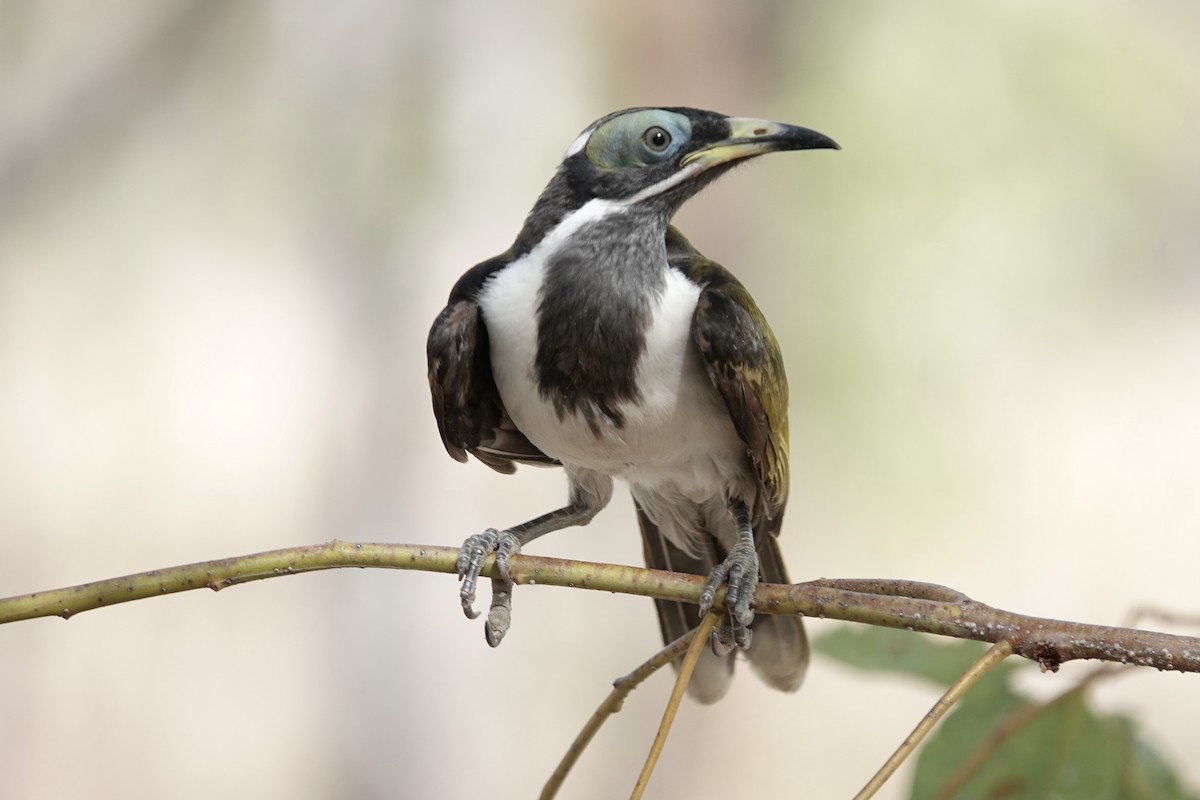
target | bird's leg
x=506, y=544
x=739, y=571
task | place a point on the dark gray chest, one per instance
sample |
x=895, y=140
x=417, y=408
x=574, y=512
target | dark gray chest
x=593, y=316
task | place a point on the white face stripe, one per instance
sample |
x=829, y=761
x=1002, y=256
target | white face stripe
x=664, y=185
x=650, y=191
x=598, y=208
x=580, y=142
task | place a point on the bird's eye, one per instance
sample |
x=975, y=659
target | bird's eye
x=656, y=139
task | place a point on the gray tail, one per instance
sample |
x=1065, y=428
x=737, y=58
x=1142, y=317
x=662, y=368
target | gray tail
x=779, y=649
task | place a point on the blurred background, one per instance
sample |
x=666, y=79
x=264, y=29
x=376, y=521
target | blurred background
x=225, y=228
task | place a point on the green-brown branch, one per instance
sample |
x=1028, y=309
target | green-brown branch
x=891, y=603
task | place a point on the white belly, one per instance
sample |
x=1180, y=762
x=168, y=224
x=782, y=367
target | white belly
x=676, y=437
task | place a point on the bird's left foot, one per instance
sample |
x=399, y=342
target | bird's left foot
x=505, y=545
x=739, y=571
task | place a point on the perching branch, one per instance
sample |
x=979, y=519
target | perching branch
x=891, y=603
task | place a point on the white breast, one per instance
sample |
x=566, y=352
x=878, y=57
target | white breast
x=676, y=436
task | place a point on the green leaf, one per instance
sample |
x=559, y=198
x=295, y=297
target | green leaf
x=1000, y=745
x=1058, y=750
x=1145, y=775
x=879, y=649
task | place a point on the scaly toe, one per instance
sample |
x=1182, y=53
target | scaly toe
x=709, y=593
x=739, y=571
x=742, y=634
x=740, y=611
x=470, y=561
x=506, y=547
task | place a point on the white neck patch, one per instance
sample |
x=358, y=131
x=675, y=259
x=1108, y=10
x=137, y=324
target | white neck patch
x=591, y=211
x=597, y=208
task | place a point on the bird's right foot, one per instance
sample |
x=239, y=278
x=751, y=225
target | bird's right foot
x=475, y=550
x=739, y=573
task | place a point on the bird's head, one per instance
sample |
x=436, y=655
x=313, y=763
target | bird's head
x=656, y=158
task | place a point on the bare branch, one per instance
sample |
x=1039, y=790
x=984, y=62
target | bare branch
x=622, y=687
x=686, y=668
x=890, y=603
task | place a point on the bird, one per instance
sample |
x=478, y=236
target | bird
x=604, y=343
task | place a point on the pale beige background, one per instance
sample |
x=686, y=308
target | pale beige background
x=225, y=228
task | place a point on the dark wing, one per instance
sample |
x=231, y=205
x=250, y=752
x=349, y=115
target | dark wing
x=470, y=414
x=744, y=362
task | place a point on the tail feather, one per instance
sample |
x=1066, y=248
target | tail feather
x=779, y=649
x=714, y=673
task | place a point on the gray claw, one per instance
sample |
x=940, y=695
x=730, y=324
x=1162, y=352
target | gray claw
x=722, y=639
x=470, y=561
x=468, y=605
x=471, y=556
x=740, y=572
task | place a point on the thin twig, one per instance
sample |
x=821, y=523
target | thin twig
x=611, y=705
x=1013, y=724
x=1164, y=616
x=698, y=643
x=994, y=655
